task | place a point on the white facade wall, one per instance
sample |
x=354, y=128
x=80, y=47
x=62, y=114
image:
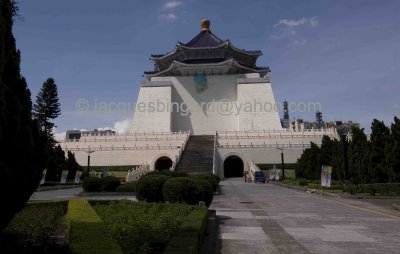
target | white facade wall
x=258, y=107
x=219, y=107
x=265, y=147
x=126, y=149
x=147, y=116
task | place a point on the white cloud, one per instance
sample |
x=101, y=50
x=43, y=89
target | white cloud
x=123, y=126
x=171, y=4
x=105, y=129
x=59, y=135
x=312, y=21
x=168, y=17
x=291, y=23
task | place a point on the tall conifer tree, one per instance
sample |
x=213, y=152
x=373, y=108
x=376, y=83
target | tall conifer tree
x=22, y=152
x=47, y=106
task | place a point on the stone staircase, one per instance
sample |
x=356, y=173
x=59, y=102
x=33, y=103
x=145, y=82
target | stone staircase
x=198, y=155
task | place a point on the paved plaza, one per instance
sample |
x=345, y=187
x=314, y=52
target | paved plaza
x=266, y=218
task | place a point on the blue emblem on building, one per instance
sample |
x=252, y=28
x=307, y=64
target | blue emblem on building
x=200, y=80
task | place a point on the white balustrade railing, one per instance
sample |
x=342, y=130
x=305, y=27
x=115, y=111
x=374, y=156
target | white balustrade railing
x=214, y=154
x=251, y=169
x=121, y=148
x=135, y=174
x=276, y=134
x=181, y=150
x=132, y=136
x=264, y=145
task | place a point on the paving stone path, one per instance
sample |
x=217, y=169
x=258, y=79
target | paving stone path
x=265, y=218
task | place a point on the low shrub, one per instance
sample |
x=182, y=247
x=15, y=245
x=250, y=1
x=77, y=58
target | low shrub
x=180, y=190
x=209, y=177
x=203, y=191
x=350, y=188
x=217, y=178
x=386, y=188
x=289, y=181
x=142, y=227
x=109, y=183
x=189, y=237
x=303, y=182
x=127, y=187
x=180, y=174
x=150, y=188
x=152, y=173
x=166, y=172
x=88, y=233
x=318, y=186
x=364, y=188
x=31, y=229
x=91, y=184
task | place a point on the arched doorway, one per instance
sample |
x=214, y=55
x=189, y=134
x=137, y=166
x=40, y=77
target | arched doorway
x=162, y=163
x=233, y=166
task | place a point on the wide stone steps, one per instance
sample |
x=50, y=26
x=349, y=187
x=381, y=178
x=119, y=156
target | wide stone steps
x=198, y=155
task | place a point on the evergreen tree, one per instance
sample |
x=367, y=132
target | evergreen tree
x=325, y=155
x=56, y=163
x=308, y=165
x=378, y=171
x=358, y=157
x=393, y=152
x=71, y=165
x=22, y=147
x=337, y=160
x=47, y=106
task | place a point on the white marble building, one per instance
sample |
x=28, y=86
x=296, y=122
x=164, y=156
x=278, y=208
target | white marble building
x=204, y=88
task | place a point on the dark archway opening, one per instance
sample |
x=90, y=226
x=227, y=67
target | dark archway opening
x=163, y=163
x=233, y=167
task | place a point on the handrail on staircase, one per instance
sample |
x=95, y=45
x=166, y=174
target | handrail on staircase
x=179, y=155
x=214, y=155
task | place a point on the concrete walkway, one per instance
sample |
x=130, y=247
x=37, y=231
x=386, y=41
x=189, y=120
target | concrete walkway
x=265, y=218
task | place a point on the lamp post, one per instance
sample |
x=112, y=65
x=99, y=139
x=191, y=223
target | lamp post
x=88, y=161
x=283, y=162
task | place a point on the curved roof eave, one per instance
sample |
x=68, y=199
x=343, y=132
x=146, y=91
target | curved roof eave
x=180, y=45
x=177, y=64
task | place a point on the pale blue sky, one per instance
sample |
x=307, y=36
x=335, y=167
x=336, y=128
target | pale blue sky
x=344, y=54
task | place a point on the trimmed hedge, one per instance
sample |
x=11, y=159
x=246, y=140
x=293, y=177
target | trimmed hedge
x=318, y=186
x=31, y=229
x=166, y=172
x=141, y=227
x=350, y=188
x=109, y=183
x=88, y=233
x=380, y=188
x=189, y=190
x=190, y=234
x=209, y=177
x=203, y=191
x=303, y=182
x=150, y=188
x=180, y=190
x=127, y=187
x=179, y=174
x=91, y=184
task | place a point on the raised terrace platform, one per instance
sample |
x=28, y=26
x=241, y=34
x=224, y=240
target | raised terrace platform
x=194, y=154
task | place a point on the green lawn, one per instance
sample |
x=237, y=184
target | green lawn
x=78, y=226
x=38, y=228
x=142, y=227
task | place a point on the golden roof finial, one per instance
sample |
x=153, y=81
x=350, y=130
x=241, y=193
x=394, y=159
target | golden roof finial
x=205, y=25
